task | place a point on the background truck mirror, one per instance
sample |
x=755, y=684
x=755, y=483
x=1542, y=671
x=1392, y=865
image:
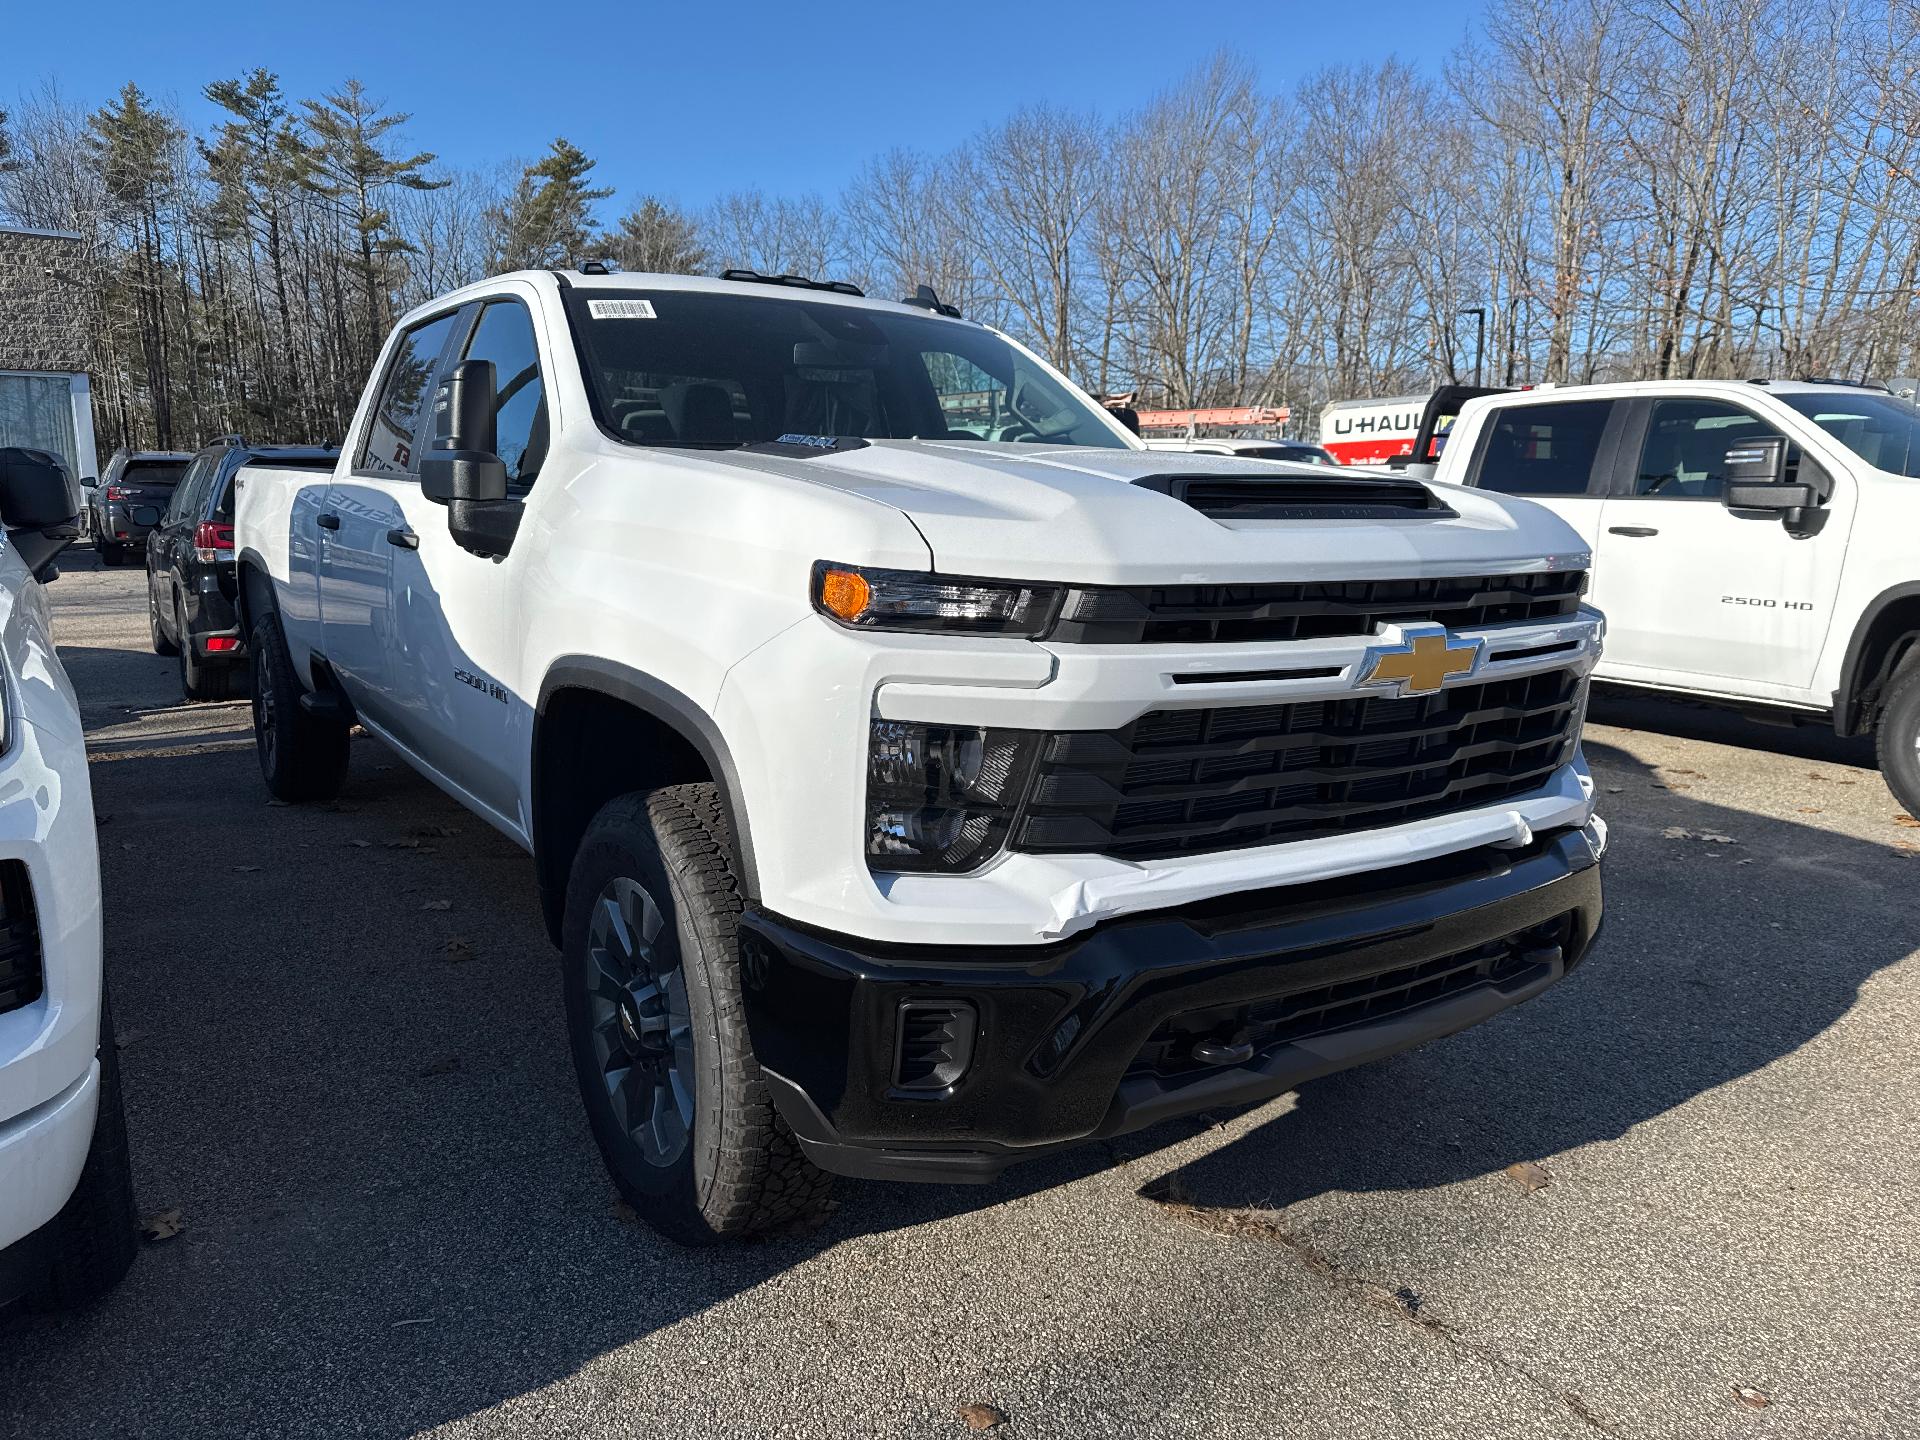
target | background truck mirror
x=39, y=506
x=1756, y=478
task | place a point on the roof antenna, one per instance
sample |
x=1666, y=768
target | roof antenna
x=927, y=298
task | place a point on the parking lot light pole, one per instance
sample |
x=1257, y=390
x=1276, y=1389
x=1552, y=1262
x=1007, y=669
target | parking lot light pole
x=1479, y=313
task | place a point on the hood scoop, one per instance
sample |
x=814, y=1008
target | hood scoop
x=1300, y=497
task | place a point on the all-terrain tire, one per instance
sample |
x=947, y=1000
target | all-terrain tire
x=156, y=633
x=1897, y=736
x=303, y=757
x=201, y=679
x=95, y=1235
x=741, y=1173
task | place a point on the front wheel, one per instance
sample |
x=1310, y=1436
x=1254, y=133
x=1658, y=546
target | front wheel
x=1898, y=734
x=654, y=1018
x=156, y=632
x=303, y=756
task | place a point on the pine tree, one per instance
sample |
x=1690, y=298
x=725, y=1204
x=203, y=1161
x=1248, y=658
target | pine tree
x=655, y=237
x=548, y=220
x=351, y=170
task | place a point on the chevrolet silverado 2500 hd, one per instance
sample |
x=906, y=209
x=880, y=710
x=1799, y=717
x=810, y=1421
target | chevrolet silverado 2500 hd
x=1752, y=541
x=919, y=773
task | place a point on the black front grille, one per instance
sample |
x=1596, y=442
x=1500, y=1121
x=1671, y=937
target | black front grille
x=1308, y=610
x=21, y=978
x=1177, y=782
x=1366, y=999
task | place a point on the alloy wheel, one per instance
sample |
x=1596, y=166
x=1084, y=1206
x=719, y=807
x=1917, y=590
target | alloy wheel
x=642, y=1029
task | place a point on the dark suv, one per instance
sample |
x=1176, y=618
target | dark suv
x=137, y=486
x=191, y=580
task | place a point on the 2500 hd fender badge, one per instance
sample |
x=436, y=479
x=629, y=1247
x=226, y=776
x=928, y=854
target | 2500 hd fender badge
x=492, y=689
x=1420, y=666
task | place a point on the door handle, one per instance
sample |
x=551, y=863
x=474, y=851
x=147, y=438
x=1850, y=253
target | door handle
x=327, y=521
x=1637, y=532
x=404, y=539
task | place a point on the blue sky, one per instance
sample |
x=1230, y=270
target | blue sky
x=691, y=100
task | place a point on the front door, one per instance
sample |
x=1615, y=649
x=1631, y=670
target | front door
x=1691, y=588
x=448, y=645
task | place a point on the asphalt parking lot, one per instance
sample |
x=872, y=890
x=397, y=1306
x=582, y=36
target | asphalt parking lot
x=1675, y=1197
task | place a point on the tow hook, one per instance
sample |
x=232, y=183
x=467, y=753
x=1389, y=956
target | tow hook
x=1223, y=1052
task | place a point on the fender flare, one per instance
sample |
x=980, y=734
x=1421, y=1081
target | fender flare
x=1847, y=701
x=654, y=697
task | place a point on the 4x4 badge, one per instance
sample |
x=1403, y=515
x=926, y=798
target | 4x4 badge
x=1425, y=662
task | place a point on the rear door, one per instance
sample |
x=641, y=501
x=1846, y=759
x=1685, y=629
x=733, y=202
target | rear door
x=174, y=534
x=362, y=509
x=1693, y=589
x=1556, y=452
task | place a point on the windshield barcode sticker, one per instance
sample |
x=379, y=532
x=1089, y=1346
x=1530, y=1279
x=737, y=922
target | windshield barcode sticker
x=621, y=310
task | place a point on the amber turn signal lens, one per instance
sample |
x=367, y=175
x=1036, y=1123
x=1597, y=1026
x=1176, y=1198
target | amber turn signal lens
x=844, y=593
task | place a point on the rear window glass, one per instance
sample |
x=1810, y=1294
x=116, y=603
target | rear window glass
x=157, y=477
x=1543, y=449
x=223, y=507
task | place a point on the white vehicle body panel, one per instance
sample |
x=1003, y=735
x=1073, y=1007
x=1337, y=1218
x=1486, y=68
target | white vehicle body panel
x=49, y=1075
x=1719, y=603
x=693, y=569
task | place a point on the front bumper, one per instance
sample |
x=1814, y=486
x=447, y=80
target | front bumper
x=1095, y=1036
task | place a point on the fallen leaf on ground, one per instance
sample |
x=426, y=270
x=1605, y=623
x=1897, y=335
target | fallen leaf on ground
x=1712, y=837
x=1751, y=1398
x=361, y=844
x=977, y=1416
x=1676, y=770
x=1530, y=1175
x=1908, y=821
x=404, y=843
x=278, y=804
x=625, y=1213
x=101, y=819
x=449, y=1066
x=434, y=832
x=1615, y=789
x=458, y=948
x=438, y=905
x=164, y=1226
x=1775, y=925
x=248, y=869
x=1908, y=846
x=124, y=1038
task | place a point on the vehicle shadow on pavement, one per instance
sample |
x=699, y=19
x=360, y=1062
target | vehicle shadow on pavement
x=1717, y=956
x=1673, y=715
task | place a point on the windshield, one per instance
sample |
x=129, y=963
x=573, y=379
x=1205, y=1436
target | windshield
x=1881, y=430
x=693, y=369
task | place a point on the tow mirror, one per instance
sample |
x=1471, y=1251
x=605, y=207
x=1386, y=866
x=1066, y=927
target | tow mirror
x=39, y=506
x=462, y=465
x=1757, y=479
x=462, y=471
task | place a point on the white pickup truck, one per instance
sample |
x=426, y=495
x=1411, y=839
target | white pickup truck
x=1753, y=542
x=919, y=773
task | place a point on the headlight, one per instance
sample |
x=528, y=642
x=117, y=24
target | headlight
x=942, y=797
x=865, y=599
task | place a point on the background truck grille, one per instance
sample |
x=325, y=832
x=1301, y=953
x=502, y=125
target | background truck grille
x=20, y=969
x=1301, y=1014
x=1224, y=614
x=1177, y=782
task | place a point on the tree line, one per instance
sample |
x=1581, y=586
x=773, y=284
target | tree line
x=1605, y=188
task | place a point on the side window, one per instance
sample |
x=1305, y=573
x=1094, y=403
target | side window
x=1543, y=449
x=388, y=446
x=505, y=336
x=1684, y=456
x=186, y=495
x=974, y=403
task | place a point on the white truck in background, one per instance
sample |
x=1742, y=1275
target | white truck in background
x=1753, y=541
x=906, y=800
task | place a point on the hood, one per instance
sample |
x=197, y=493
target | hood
x=1043, y=512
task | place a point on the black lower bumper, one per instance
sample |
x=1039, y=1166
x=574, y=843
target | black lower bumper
x=212, y=616
x=949, y=1064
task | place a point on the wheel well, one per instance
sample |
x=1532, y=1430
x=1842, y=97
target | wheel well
x=254, y=596
x=1888, y=639
x=588, y=747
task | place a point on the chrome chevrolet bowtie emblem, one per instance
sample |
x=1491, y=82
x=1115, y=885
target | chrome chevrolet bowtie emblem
x=1422, y=664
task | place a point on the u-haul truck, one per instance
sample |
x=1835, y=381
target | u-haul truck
x=1370, y=432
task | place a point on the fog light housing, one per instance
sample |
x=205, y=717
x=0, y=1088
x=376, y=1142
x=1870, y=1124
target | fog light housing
x=941, y=798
